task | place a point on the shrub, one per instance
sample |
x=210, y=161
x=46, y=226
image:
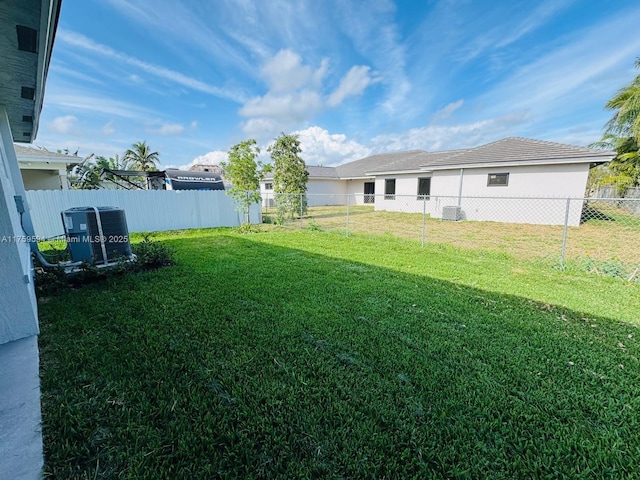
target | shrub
x=149, y=255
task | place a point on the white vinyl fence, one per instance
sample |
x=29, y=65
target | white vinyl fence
x=145, y=210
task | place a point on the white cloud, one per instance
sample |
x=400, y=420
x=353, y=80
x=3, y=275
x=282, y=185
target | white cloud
x=446, y=111
x=261, y=128
x=285, y=73
x=536, y=19
x=212, y=158
x=353, y=83
x=63, y=124
x=288, y=108
x=96, y=103
x=81, y=41
x=319, y=147
x=296, y=94
x=451, y=137
x=108, y=128
x=567, y=75
x=377, y=37
x=167, y=129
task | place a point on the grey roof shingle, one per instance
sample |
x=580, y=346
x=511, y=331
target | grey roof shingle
x=518, y=149
x=315, y=171
x=386, y=161
x=507, y=150
x=22, y=151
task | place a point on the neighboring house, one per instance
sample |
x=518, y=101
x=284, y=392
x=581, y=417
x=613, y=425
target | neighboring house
x=323, y=188
x=477, y=182
x=44, y=170
x=27, y=30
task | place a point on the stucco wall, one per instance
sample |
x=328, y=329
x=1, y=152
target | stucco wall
x=546, y=189
x=18, y=315
x=406, y=197
x=42, y=179
x=328, y=191
x=355, y=189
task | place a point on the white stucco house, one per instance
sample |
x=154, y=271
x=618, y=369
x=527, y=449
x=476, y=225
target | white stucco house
x=27, y=31
x=517, y=180
x=44, y=170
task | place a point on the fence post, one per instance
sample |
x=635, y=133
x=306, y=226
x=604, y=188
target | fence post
x=564, y=233
x=301, y=210
x=424, y=217
x=348, y=202
x=248, y=208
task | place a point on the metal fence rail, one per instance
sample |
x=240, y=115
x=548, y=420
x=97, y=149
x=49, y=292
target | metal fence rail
x=603, y=231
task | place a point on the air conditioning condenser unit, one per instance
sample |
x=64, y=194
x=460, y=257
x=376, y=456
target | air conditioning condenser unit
x=97, y=235
x=451, y=213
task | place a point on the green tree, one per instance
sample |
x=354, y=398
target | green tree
x=244, y=173
x=89, y=174
x=290, y=176
x=141, y=157
x=85, y=175
x=623, y=172
x=622, y=134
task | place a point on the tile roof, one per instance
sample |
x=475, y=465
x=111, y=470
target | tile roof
x=517, y=149
x=508, y=150
x=322, y=172
x=386, y=161
x=315, y=171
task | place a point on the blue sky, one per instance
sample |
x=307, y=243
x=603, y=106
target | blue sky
x=352, y=78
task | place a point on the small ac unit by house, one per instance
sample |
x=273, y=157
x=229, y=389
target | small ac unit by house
x=451, y=213
x=96, y=235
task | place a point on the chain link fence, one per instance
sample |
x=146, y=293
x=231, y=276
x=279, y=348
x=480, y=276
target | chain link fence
x=597, y=234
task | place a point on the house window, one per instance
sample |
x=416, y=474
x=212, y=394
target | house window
x=390, y=189
x=268, y=186
x=424, y=188
x=498, y=180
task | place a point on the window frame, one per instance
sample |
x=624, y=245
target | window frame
x=424, y=196
x=389, y=195
x=504, y=175
x=268, y=185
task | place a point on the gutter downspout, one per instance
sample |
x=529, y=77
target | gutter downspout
x=460, y=187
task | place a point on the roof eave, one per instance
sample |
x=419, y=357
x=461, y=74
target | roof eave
x=48, y=27
x=395, y=172
x=518, y=163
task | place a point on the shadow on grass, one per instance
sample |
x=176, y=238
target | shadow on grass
x=251, y=360
x=590, y=212
x=335, y=212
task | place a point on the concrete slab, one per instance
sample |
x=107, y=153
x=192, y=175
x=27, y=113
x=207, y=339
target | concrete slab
x=21, y=456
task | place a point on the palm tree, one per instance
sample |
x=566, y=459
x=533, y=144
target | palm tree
x=625, y=122
x=622, y=134
x=140, y=156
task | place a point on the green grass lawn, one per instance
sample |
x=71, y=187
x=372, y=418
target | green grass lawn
x=299, y=354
